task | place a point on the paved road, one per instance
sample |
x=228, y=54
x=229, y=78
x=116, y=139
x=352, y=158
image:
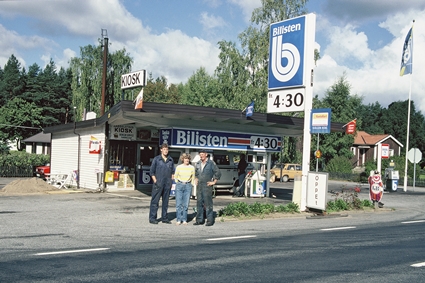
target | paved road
x=106, y=237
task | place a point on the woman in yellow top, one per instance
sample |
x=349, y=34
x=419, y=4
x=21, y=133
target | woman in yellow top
x=184, y=177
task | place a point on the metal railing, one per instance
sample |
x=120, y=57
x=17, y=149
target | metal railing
x=363, y=178
x=13, y=171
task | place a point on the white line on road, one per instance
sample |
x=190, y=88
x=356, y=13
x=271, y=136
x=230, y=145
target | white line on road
x=124, y=196
x=73, y=251
x=413, y=221
x=420, y=264
x=339, y=228
x=232, y=238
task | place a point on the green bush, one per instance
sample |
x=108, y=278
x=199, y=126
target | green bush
x=347, y=199
x=22, y=159
x=256, y=209
x=339, y=164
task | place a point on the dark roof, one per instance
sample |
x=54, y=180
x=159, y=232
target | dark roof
x=40, y=137
x=164, y=115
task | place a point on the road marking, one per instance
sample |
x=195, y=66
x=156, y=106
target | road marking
x=124, y=196
x=420, y=264
x=413, y=221
x=339, y=228
x=232, y=238
x=73, y=251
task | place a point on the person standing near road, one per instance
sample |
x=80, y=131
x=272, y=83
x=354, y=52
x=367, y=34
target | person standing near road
x=162, y=170
x=206, y=174
x=184, y=178
x=242, y=165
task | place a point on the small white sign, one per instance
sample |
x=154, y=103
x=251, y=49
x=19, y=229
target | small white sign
x=286, y=100
x=385, y=153
x=317, y=188
x=134, y=79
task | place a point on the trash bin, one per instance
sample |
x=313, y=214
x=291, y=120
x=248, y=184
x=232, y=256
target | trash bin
x=99, y=176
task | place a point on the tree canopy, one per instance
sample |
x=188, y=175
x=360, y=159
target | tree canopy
x=42, y=97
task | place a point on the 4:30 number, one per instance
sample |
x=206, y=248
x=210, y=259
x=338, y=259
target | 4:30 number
x=270, y=143
x=289, y=100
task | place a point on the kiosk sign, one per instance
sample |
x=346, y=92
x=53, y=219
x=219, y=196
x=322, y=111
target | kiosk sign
x=133, y=79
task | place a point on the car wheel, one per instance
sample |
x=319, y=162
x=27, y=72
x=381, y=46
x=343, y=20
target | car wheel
x=272, y=178
x=285, y=178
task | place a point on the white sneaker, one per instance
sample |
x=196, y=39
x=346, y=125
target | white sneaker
x=178, y=223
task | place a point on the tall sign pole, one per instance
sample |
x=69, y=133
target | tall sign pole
x=290, y=84
x=105, y=62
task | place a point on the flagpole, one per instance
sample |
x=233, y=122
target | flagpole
x=407, y=135
x=408, y=46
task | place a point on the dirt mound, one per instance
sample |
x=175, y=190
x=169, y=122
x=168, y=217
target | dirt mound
x=27, y=186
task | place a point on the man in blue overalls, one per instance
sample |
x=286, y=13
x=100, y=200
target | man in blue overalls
x=206, y=175
x=162, y=170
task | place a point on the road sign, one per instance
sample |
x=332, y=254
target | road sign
x=414, y=155
x=320, y=121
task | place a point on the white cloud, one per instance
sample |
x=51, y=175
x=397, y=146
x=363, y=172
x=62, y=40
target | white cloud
x=13, y=43
x=172, y=54
x=247, y=6
x=376, y=74
x=211, y=21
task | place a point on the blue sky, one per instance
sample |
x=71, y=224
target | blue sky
x=361, y=38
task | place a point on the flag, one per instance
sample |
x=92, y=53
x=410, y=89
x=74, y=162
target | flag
x=407, y=56
x=250, y=109
x=139, y=100
x=351, y=127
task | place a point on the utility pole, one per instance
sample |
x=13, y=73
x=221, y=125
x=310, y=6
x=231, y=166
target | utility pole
x=105, y=61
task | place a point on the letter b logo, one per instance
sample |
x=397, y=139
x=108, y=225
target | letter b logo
x=285, y=59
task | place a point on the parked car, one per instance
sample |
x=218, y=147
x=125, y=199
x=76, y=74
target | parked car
x=42, y=171
x=286, y=171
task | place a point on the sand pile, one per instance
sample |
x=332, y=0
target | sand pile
x=28, y=186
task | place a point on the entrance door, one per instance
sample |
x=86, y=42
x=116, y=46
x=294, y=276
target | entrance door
x=145, y=154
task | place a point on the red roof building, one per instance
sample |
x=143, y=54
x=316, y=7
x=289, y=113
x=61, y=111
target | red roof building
x=365, y=147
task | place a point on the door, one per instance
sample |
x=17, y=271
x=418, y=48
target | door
x=145, y=154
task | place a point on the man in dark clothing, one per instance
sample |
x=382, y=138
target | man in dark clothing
x=206, y=174
x=242, y=165
x=162, y=170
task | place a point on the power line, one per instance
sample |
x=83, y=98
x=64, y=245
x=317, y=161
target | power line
x=40, y=128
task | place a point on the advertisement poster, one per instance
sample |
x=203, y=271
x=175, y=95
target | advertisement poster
x=94, y=145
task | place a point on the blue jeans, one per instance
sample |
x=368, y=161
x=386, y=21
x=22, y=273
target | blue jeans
x=160, y=191
x=242, y=183
x=204, y=198
x=183, y=192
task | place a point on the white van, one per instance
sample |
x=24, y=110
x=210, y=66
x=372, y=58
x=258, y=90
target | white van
x=227, y=162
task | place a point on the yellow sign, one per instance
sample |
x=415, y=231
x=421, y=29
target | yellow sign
x=318, y=153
